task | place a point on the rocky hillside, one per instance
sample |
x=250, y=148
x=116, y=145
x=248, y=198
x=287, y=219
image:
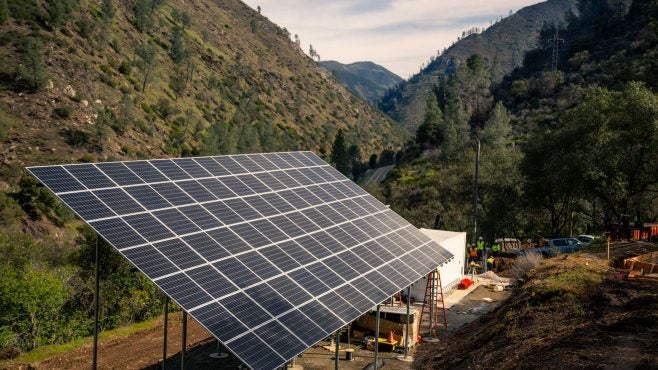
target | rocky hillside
x=366, y=79
x=95, y=80
x=503, y=45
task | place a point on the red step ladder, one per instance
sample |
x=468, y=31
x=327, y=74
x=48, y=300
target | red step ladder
x=433, y=296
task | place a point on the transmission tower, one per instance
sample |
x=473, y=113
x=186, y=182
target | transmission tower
x=555, y=44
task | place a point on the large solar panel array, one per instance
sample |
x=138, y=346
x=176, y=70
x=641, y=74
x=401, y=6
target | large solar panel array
x=269, y=252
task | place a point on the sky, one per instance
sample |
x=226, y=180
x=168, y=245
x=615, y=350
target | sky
x=397, y=34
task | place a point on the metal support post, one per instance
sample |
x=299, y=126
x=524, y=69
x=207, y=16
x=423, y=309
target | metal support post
x=406, y=341
x=164, y=340
x=184, y=342
x=376, y=337
x=337, y=349
x=94, y=361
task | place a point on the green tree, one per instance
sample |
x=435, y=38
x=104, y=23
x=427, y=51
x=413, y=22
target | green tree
x=143, y=12
x=614, y=138
x=146, y=53
x=4, y=12
x=105, y=120
x=431, y=132
x=32, y=68
x=498, y=128
x=126, y=114
x=178, y=84
x=108, y=11
x=178, y=51
x=372, y=162
x=31, y=303
x=59, y=10
x=340, y=155
x=185, y=20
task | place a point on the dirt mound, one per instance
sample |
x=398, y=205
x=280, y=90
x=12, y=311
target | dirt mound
x=574, y=312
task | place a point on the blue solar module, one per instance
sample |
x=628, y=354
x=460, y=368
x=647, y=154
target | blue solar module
x=269, y=252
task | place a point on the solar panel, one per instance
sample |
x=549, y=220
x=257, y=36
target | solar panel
x=269, y=252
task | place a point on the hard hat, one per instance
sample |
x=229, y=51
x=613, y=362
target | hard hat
x=480, y=238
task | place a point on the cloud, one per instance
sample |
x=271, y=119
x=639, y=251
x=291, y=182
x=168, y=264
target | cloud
x=398, y=34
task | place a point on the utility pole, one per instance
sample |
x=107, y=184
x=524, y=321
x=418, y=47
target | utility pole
x=476, y=186
x=555, y=41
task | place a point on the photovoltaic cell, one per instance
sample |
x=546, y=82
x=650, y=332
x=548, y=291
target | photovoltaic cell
x=179, y=253
x=190, y=166
x=207, y=247
x=57, y=179
x=119, y=201
x=87, y=205
x=212, y=166
x=119, y=173
x=170, y=169
x=147, y=197
x=146, y=171
x=270, y=252
x=90, y=176
x=172, y=193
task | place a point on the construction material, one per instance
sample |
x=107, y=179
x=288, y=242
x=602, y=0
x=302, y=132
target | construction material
x=465, y=283
x=368, y=322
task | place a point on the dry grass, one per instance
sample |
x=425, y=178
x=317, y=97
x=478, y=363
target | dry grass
x=523, y=264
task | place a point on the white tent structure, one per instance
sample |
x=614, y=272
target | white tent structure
x=452, y=271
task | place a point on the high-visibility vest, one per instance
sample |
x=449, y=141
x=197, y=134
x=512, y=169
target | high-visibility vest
x=473, y=252
x=495, y=247
x=480, y=245
x=490, y=260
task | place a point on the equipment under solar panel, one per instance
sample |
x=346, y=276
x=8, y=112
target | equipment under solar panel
x=269, y=252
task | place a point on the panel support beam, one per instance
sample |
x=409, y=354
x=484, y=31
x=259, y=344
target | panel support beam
x=407, y=341
x=94, y=361
x=376, y=338
x=164, y=339
x=337, y=349
x=183, y=341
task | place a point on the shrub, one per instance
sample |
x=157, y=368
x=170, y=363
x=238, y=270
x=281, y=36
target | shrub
x=523, y=264
x=62, y=112
x=125, y=67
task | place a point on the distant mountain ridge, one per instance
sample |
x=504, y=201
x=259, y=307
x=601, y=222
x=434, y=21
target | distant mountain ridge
x=503, y=45
x=368, y=80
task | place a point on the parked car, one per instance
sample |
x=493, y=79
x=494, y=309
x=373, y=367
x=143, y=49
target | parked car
x=586, y=240
x=556, y=246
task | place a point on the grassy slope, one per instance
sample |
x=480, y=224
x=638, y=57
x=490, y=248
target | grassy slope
x=261, y=74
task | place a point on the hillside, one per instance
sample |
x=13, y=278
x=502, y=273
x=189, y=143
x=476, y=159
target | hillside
x=571, y=312
x=562, y=152
x=503, y=45
x=368, y=80
x=152, y=78
x=89, y=81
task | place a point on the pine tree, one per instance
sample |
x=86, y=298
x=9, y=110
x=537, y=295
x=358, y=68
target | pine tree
x=178, y=52
x=430, y=131
x=108, y=10
x=146, y=53
x=32, y=69
x=339, y=154
x=498, y=127
x=4, y=12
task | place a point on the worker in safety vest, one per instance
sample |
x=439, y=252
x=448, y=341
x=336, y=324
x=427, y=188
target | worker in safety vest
x=472, y=253
x=490, y=263
x=480, y=247
x=495, y=248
